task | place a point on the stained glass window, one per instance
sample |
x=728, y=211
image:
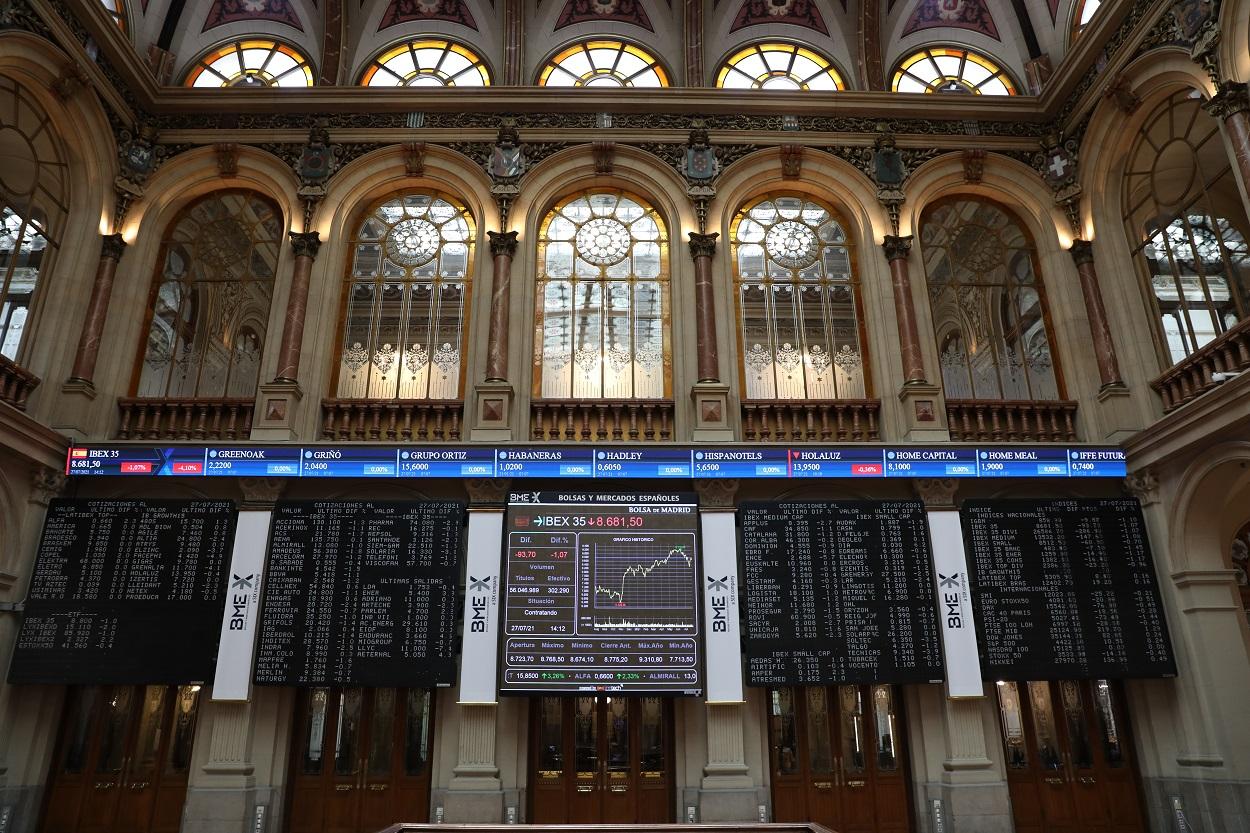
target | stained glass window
x=603, y=63
x=407, y=288
x=951, y=70
x=252, y=63
x=1188, y=226
x=427, y=62
x=989, y=309
x=778, y=66
x=602, y=328
x=210, y=307
x=797, y=301
x=33, y=205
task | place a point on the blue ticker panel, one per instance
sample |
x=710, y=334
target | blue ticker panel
x=595, y=462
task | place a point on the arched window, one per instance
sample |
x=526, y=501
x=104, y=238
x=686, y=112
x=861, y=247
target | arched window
x=778, y=66
x=252, y=63
x=798, y=301
x=989, y=309
x=603, y=63
x=602, y=328
x=1188, y=226
x=210, y=304
x=406, y=287
x=1085, y=11
x=117, y=10
x=33, y=205
x=427, y=62
x=950, y=69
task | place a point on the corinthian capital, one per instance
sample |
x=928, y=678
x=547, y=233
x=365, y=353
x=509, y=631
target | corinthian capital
x=305, y=244
x=895, y=247
x=702, y=245
x=502, y=243
x=1230, y=99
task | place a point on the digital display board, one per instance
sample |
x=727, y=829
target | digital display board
x=1065, y=589
x=839, y=593
x=361, y=593
x=601, y=593
x=126, y=592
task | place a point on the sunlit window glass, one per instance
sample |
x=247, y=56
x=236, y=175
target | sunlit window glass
x=1085, y=12
x=252, y=63
x=407, y=287
x=778, y=66
x=951, y=70
x=427, y=63
x=603, y=63
x=117, y=11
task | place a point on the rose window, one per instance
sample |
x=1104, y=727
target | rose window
x=603, y=241
x=412, y=242
x=791, y=244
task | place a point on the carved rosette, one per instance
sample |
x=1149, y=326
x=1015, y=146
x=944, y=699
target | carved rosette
x=703, y=245
x=502, y=243
x=305, y=244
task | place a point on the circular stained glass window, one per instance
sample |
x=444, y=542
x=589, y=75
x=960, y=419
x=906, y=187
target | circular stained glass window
x=603, y=241
x=412, y=242
x=791, y=244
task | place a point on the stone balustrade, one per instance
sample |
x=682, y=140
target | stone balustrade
x=811, y=420
x=185, y=419
x=1011, y=421
x=400, y=420
x=601, y=420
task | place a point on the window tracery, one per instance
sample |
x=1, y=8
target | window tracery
x=1189, y=226
x=989, y=308
x=602, y=328
x=951, y=70
x=210, y=302
x=427, y=62
x=252, y=62
x=797, y=301
x=778, y=66
x=407, y=287
x=603, y=63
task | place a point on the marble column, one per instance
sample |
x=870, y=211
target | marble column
x=111, y=249
x=305, y=246
x=502, y=250
x=897, y=250
x=1082, y=252
x=1231, y=105
x=702, y=247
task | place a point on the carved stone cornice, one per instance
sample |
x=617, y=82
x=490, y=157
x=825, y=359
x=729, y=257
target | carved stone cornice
x=502, y=243
x=716, y=493
x=896, y=247
x=1230, y=98
x=46, y=483
x=702, y=245
x=305, y=243
x=488, y=492
x=260, y=492
x=112, y=246
x=936, y=492
x=1082, y=252
x=1143, y=485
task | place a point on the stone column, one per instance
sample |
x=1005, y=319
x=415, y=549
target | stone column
x=111, y=249
x=502, y=250
x=305, y=245
x=1231, y=105
x=897, y=249
x=1082, y=252
x=694, y=43
x=702, y=248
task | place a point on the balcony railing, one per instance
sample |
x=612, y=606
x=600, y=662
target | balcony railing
x=402, y=420
x=1191, y=377
x=811, y=420
x=16, y=383
x=601, y=419
x=185, y=419
x=986, y=420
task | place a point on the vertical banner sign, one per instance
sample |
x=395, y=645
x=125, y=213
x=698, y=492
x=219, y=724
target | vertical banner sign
x=237, y=646
x=954, y=601
x=479, y=653
x=720, y=607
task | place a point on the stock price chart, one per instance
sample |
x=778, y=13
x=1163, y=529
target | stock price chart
x=601, y=594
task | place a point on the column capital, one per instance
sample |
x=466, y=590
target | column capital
x=502, y=243
x=111, y=246
x=305, y=243
x=1082, y=251
x=703, y=245
x=1230, y=99
x=896, y=247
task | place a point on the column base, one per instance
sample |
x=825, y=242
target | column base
x=712, y=423
x=492, y=412
x=924, y=413
x=725, y=805
x=277, y=408
x=232, y=810
x=968, y=808
x=73, y=414
x=463, y=802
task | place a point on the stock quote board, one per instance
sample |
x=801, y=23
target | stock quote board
x=601, y=593
x=126, y=592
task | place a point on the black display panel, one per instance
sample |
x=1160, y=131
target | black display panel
x=361, y=593
x=601, y=593
x=126, y=592
x=839, y=593
x=1065, y=589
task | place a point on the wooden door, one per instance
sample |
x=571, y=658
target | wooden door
x=1070, y=768
x=601, y=760
x=122, y=760
x=836, y=758
x=361, y=759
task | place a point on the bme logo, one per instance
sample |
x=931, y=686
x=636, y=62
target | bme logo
x=239, y=601
x=477, y=604
x=951, y=600
x=720, y=624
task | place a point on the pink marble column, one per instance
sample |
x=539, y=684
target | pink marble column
x=896, y=251
x=111, y=249
x=1231, y=105
x=702, y=247
x=305, y=246
x=1082, y=252
x=502, y=250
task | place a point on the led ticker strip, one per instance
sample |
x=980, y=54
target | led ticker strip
x=601, y=462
